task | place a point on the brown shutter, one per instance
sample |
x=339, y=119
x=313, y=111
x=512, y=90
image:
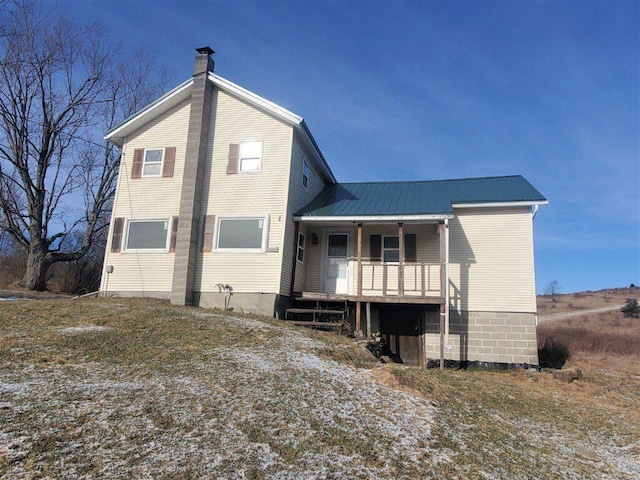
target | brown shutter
x=232, y=166
x=375, y=248
x=174, y=234
x=136, y=169
x=116, y=236
x=410, y=254
x=208, y=222
x=169, y=161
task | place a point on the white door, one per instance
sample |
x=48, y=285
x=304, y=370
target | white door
x=337, y=264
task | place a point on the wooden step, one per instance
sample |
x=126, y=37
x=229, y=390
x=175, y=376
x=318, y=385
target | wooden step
x=315, y=310
x=319, y=324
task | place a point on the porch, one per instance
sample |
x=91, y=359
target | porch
x=372, y=263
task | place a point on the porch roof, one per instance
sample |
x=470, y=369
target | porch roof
x=417, y=200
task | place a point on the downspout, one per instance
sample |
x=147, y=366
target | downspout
x=446, y=287
x=533, y=216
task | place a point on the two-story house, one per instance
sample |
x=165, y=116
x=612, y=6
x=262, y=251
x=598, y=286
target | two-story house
x=224, y=199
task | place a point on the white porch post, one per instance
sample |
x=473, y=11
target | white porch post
x=359, y=282
x=400, y=260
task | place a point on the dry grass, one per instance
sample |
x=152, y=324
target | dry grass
x=608, y=341
x=139, y=389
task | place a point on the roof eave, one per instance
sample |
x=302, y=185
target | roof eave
x=279, y=112
x=526, y=203
x=117, y=134
x=372, y=218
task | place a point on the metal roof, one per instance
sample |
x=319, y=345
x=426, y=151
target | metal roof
x=418, y=199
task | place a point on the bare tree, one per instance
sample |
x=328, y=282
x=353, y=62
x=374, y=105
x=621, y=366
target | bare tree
x=62, y=85
x=553, y=289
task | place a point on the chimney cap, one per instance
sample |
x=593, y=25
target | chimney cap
x=207, y=50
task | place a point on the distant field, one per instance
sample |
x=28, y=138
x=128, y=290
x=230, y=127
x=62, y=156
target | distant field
x=125, y=388
x=585, y=300
x=596, y=341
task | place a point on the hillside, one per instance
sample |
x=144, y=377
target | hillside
x=138, y=389
x=590, y=324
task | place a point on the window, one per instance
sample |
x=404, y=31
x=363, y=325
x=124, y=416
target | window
x=391, y=249
x=387, y=249
x=152, y=163
x=301, y=247
x=147, y=235
x=242, y=233
x=250, y=157
x=305, y=174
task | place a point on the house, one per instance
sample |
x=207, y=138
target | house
x=224, y=199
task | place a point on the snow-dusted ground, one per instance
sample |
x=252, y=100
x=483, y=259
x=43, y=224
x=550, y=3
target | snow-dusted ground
x=278, y=411
x=267, y=404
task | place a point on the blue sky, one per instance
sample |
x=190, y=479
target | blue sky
x=432, y=90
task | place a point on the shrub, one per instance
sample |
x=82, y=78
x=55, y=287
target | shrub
x=631, y=308
x=553, y=353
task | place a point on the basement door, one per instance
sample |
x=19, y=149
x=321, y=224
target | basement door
x=337, y=264
x=403, y=329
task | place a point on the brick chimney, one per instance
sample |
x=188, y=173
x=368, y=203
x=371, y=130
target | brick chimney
x=184, y=267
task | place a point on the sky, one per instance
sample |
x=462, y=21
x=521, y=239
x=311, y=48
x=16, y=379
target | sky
x=433, y=90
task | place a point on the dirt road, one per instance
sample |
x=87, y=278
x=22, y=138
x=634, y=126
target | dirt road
x=576, y=313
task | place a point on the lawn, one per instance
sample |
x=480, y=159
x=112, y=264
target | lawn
x=115, y=388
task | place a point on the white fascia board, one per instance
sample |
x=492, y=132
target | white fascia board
x=279, y=112
x=276, y=110
x=311, y=144
x=375, y=218
x=499, y=204
x=150, y=110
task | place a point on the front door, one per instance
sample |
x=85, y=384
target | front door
x=337, y=266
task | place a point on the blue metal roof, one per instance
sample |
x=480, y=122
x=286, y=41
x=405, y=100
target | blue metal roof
x=417, y=198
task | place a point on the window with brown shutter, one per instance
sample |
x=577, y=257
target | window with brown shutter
x=208, y=222
x=116, y=236
x=136, y=168
x=174, y=234
x=232, y=166
x=169, y=161
x=375, y=248
x=410, y=253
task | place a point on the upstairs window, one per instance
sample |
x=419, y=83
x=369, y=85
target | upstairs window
x=250, y=157
x=242, y=233
x=152, y=163
x=305, y=174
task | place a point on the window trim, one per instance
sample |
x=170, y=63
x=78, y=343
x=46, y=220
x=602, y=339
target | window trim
x=144, y=162
x=301, y=248
x=265, y=234
x=383, y=249
x=259, y=169
x=306, y=175
x=125, y=240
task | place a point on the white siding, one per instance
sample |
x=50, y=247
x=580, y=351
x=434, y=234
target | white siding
x=298, y=198
x=259, y=193
x=491, y=260
x=149, y=197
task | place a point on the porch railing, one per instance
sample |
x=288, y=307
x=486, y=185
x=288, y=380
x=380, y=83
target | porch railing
x=420, y=279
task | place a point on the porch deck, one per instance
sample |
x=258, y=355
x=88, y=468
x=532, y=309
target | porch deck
x=334, y=297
